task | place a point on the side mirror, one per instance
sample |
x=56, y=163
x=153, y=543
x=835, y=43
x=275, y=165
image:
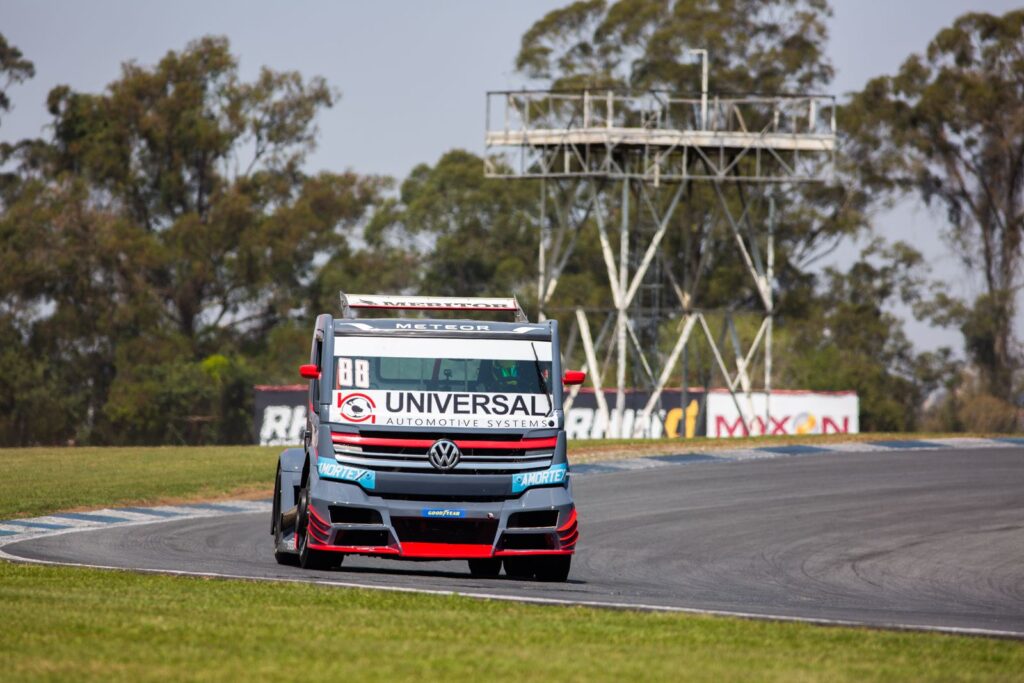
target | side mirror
x=573, y=377
x=309, y=371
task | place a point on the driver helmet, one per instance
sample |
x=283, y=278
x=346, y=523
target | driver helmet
x=505, y=369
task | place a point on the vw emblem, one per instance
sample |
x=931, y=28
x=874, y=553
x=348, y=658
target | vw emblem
x=444, y=454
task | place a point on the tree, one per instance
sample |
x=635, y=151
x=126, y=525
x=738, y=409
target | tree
x=482, y=232
x=475, y=237
x=755, y=46
x=14, y=69
x=29, y=403
x=227, y=239
x=949, y=128
x=850, y=339
x=453, y=231
x=169, y=222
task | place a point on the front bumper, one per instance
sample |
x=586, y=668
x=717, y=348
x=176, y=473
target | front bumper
x=346, y=519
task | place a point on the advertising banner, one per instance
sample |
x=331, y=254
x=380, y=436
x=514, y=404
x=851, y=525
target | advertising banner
x=281, y=412
x=788, y=412
x=678, y=416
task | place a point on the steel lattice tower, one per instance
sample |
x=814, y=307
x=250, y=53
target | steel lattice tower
x=590, y=149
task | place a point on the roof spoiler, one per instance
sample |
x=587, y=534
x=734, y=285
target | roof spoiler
x=430, y=303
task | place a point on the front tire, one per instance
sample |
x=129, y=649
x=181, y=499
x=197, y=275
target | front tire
x=553, y=568
x=290, y=559
x=485, y=568
x=518, y=567
x=309, y=558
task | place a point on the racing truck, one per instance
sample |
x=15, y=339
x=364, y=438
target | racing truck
x=431, y=439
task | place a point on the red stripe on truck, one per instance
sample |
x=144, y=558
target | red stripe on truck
x=357, y=440
x=462, y=551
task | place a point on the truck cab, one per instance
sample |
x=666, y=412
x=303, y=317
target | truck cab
x=431, y=439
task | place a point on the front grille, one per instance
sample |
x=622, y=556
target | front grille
x=418, y=450
x=434, y=436
x=468, y=464
x=407, y=452
x=445, y=497
x=463, y=531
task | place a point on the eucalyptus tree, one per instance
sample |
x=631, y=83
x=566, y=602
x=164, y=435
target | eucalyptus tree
x=948, y=128
x=166, y=226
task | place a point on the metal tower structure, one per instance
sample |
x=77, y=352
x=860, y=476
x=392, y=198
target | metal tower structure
x=581, y=145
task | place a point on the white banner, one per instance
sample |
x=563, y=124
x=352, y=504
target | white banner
x=791, y=412
x=281, y=425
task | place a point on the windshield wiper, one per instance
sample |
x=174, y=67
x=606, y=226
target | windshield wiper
x=543, y=382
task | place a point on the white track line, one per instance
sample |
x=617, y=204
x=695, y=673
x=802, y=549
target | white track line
x=637, y=464
x=973, y=442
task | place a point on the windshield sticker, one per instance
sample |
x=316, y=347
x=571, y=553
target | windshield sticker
x=442, y=409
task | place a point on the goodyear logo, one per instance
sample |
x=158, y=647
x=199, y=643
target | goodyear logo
x=556, y=474
x=328, y=469
x=443, y=513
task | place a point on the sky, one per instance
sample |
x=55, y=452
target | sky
x=413, y=74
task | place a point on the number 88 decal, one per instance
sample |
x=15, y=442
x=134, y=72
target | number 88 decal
x=362, y=373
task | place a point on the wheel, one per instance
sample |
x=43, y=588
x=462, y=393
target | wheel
x=519, y=567
x=485, y=567
x=290, y=559
x=552, y=567
x=275, y=514
x=309, y=558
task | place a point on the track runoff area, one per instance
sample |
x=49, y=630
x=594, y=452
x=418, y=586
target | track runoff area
x=908, y=535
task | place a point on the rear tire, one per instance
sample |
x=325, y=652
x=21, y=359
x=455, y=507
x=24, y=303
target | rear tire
x=552, y=567
x=485, y=568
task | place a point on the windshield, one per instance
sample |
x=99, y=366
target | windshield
x=428, y=381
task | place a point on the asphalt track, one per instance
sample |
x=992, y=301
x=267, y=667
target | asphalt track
x=928, y=538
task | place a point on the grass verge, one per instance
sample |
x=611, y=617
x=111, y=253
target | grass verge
x=37, y=481
x=79, y=624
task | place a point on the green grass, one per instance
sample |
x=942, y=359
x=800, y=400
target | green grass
x=76, y=624
x=83, y=478
x=37, y=481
